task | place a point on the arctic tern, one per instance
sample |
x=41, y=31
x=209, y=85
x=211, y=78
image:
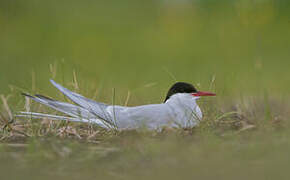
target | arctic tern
x=179, y=110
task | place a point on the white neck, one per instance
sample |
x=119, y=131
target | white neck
x=185, y=108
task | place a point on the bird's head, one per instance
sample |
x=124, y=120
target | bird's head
x=186, y=88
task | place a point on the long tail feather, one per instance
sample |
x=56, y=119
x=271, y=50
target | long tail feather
x=98, y=109
x=61, y=118
x=69, y=109
x=52, y=117
x=76, y=112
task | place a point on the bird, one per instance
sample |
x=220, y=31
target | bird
x=179, y=110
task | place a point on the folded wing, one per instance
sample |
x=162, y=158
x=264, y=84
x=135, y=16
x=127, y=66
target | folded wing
x=96, y=108
x=77, y=113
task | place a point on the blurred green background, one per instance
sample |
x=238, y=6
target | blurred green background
x=242, y=44
x=237, y=48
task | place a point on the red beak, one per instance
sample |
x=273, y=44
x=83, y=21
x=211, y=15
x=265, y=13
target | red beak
x=201, y=93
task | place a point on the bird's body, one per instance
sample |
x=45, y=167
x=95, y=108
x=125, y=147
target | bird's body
x=179, y=110
x=172, y=113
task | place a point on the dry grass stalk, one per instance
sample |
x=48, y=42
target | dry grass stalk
x=127, y=98
x=75, y=81
x=53, y=69
x=6, y=107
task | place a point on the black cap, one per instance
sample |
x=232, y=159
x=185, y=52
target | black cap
x=180, y=87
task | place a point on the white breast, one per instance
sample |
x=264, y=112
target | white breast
x=186, y=111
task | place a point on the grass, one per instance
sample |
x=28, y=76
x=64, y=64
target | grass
x=129, y=53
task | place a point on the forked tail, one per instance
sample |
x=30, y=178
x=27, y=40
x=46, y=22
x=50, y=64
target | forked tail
x=76, y=113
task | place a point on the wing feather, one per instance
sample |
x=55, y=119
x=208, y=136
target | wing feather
x=96, y=108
